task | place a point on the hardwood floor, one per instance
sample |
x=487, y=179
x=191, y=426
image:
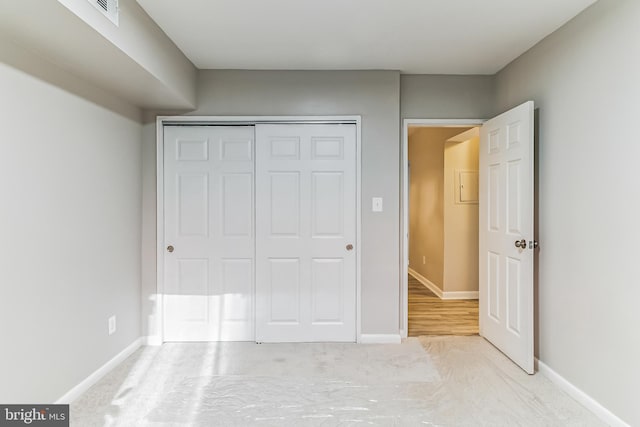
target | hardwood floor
x=429, y=315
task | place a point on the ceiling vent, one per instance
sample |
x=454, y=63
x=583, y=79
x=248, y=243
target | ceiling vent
x=108, y=7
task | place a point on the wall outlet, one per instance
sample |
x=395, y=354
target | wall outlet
x=376, y=204
x=112, y=325
x=424, y=259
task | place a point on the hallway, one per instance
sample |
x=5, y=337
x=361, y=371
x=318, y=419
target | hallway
x=429, y=315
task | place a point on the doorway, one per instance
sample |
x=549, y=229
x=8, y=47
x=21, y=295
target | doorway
x=440, y=211
x=506, y=218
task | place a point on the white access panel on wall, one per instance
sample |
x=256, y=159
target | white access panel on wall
x=305, y=233
x=209, y=233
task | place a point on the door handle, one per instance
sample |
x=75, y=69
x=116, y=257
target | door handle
x=522, y=244
x=349, y=247
x=170, y=248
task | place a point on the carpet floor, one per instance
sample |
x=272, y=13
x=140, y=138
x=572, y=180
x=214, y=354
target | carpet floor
x=437, y=381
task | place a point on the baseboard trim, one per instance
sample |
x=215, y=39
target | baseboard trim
x=151, y=340
x=436, y=290
x=428, y=283
x=580, y=396
x=380, y=339
x=460, y=295
x=99, y=373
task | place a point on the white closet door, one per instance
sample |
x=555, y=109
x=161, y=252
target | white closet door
x=305, y=233
x=209, y=233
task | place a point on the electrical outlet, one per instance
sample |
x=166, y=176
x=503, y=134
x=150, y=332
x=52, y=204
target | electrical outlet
x=112, y=325
x=376, y=204
x=424, y=259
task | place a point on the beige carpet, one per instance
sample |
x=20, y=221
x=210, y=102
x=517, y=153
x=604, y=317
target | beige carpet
x=438, y=381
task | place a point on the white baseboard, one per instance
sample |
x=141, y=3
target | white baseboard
x=97, y=375
x=151, y=340
x=460, y=295
x=380, y=339
x=429, y=284
x=436, y=290
x=583, y=398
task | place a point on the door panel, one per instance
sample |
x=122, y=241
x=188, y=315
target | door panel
x=237, y=282
x=306, y=217
x=193, y=281
x=237, y=215
x=284, y=291
x=506, y=219
x=327, y=198
x=193, y=204
x=327, y=282
x=208, y=176
x=284, y=204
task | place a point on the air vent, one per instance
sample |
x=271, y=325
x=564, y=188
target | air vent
x=108, y=7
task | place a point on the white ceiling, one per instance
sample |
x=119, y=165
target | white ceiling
x=413, y=36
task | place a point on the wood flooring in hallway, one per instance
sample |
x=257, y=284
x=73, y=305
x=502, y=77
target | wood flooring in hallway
x=429, y=315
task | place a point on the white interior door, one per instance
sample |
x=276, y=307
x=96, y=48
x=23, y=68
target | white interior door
x=209, y=233
x=506, y=234
x=305, y=233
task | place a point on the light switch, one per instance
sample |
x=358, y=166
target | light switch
x=376, y=204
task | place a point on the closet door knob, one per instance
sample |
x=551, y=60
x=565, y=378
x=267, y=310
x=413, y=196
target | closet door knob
x=169, y=248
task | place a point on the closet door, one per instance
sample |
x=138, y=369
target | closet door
x=209, y=233
x=305, y=233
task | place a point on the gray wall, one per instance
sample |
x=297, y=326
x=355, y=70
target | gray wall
x=375, y=95
x=71, y=195
x=585, y=80
x=446, y=97
x=70, y=224
x=20, y=58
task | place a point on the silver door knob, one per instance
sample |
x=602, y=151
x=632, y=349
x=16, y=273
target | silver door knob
x=169, y=248
x=349, y=247
x=522, y=244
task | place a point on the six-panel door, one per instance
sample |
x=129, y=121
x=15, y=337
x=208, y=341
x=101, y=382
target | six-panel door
x=209, y=223
x=306, y=232
x=506, y=228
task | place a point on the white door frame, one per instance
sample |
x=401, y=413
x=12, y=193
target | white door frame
x=404, y=206
x=161, y=121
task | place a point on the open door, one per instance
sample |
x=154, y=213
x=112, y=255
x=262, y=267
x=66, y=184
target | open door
x=506, y=234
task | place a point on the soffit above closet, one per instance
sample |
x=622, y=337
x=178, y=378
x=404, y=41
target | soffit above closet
x=121, y=60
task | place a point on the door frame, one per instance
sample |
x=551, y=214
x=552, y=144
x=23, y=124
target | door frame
x=404, y=205
x=161, y=121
